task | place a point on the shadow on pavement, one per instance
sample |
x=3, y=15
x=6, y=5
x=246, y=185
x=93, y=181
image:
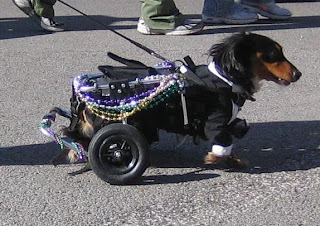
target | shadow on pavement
x=194, y=175
x=265, y=25
x=24, y=27
x=36, y=154
x=269, y=147
x=302, y=1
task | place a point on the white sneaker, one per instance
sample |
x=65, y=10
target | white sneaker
x=271, y=11
x=50, y=25
x=189, y=27
x=24, y=5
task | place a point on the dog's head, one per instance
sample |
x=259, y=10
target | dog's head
x=248, y=58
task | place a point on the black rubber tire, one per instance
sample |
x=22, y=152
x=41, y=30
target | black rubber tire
x=118, y=153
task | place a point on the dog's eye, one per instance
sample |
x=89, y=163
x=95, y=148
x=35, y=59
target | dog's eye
x=273, y=56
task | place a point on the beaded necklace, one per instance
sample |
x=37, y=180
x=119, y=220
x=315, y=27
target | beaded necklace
x=121, y=109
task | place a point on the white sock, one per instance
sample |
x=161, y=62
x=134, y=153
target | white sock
x=221, y=151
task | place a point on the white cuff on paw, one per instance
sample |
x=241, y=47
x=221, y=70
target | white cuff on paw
x=221, y=151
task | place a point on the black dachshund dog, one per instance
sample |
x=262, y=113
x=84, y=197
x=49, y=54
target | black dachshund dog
x=239, y=64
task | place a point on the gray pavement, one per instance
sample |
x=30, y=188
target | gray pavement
x=280, y=187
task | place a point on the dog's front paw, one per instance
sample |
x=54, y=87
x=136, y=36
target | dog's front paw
x=236, y=163
x=212, y=159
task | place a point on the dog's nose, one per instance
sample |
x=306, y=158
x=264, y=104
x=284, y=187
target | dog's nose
x=296, y=75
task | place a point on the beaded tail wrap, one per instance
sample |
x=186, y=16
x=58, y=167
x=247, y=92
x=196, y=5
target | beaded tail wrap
x=120, y=109
x=45, y=125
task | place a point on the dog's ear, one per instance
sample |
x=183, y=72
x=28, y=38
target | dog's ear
x=241, y=55
x=237, y=58
x=234, y=54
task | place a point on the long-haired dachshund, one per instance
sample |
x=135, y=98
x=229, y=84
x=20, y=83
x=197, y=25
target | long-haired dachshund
x=239, y=63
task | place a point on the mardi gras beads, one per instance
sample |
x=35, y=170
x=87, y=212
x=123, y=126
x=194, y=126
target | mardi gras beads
x=117, y=110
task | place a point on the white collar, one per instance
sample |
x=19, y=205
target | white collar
x=213, y=68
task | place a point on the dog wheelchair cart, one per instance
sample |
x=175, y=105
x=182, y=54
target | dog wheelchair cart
x=118, y=152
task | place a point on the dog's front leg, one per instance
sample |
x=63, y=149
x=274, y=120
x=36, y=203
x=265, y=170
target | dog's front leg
x=220, y=153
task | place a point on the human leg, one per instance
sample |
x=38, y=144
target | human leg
x=163, y=17
x=44, y=8
x=161, y=14
x=24, y=5
x=226, y=11
x=267, y=8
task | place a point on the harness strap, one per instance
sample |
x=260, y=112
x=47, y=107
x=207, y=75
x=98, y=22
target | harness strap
x=190, y=63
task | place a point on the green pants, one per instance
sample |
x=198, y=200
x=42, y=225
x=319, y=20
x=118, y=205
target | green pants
x=44, y=8
x=161, y=14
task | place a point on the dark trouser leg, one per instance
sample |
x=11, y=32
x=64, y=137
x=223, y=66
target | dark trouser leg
x=44, y=8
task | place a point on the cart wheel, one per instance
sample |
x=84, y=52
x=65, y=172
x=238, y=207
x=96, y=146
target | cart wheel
x=118, y=153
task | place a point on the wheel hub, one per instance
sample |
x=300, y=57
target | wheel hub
x=118, y=155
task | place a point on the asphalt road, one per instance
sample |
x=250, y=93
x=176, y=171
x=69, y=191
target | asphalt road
x=280, y=187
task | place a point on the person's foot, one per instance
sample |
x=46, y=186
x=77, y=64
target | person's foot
x=239, y=15
x=24, y=5
x=187, y=28
x=51, y=25
x=27, y=7
x=271, y=11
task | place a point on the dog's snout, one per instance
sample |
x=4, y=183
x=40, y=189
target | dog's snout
x=296, y=75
